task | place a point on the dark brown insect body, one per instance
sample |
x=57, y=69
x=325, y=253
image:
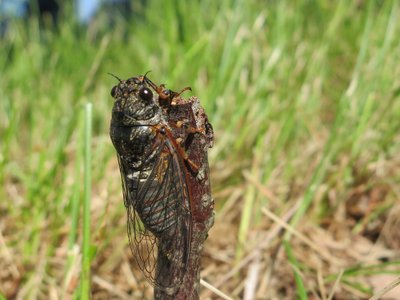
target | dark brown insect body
x=152, y=149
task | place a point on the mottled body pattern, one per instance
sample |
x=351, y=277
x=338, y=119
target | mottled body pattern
x=152, y=154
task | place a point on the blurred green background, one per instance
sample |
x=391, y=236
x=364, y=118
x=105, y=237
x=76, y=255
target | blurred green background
x=304, y=100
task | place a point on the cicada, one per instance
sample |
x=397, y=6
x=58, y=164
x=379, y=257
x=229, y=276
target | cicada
x=154, y=168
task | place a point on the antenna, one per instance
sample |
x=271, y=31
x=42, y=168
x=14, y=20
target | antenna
x=119, y=79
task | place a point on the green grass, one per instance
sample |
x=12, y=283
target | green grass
x=86, y=245
x=301, y=290
x=303, y=96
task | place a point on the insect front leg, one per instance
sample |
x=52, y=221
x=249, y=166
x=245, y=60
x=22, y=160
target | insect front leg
x=176, y=142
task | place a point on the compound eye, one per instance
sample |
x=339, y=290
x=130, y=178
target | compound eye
x=145, y=94
x=114, y=91
x=166, y=93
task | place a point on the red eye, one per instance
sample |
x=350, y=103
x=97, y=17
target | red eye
x=145, y=94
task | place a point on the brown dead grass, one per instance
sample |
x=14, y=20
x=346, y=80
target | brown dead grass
x=347, y=234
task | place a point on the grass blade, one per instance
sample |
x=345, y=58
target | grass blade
x=301, y=290
x=85, y=280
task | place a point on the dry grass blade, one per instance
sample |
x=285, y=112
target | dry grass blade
x=320, y=281
x=7, y=255
x=335, y=285
x=110, y=287
x=272, y=234
x=302, y=237
x=252, y=277
x=386, y=289
x=215, y=290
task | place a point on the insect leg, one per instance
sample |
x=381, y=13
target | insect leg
x=178, y=148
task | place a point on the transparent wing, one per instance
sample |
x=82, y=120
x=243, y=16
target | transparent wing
x=159, y=219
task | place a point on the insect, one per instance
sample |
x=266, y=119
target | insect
x=154, y=168
x=166, y=96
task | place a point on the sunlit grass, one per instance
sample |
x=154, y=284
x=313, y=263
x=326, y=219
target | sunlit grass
x=303, y=97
